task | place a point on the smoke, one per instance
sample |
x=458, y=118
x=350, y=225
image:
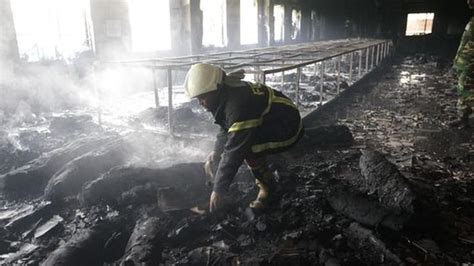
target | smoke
x=151, y=149
x=30, y=89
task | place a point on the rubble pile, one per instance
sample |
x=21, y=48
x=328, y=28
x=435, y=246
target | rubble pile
x=388, y=184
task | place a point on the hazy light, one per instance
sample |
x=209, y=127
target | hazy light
x=419, y=23
x=314, y=28
x=51, y=29
x=248, y=22
x=295, y=23
x=214, y=23
x=150, y=25
x=279, y=16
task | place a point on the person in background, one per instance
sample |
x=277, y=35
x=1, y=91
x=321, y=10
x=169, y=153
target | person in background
x=255, y=120
x=464, y=66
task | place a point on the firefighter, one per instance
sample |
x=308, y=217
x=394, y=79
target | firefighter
x=255, y=120
x=464, y=65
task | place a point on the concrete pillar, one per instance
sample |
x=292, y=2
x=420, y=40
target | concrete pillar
x=8, y=41
x=112, y=32
x=271, y=24
x=233, y=24
x=264, y=21
x=180, y=16
x=305, y=23
x=196, y=27
x=288, y=24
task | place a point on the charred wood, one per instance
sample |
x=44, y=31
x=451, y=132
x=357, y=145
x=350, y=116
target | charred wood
x=333, y=135
x=195, y=227
x=369, y=247
x=109, y=186
x=24, y=252
x=66, y=125
x=118, y=184
x=29, y=217
x=364, y=209
x=145, y=244
x=93, y=246
x=69, y=179
x=210, y=256
x=32, y=178
x=139, y=195
x=383, y=179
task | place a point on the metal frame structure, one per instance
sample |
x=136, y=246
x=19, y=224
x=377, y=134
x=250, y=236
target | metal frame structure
x=262, y=62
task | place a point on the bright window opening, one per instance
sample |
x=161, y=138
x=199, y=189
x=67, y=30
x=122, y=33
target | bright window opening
x=52, y=29
x=295, y=24
x=279, y=18
x=214, y=23
x=248, y=22
x=150, y=25
x=419, y=24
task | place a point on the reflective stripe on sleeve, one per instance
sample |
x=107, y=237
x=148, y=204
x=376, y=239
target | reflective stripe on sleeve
x=245, y=124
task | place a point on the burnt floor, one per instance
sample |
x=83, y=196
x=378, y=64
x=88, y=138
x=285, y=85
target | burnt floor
x=401, y=111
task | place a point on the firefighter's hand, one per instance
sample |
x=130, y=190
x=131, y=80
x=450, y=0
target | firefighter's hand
x=214, y=201
x=208, y=170
x=208, y=165
x=211, y=157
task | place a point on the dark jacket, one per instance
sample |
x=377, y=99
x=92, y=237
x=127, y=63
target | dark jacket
x=255, y=120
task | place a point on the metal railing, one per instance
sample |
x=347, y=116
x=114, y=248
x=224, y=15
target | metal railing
x=268, y=61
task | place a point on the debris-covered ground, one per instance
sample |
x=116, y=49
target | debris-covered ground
x=390, y=184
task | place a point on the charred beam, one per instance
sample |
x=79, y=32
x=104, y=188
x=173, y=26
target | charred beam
x=32, y=178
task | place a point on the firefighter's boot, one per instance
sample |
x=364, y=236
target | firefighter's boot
x=266, y=185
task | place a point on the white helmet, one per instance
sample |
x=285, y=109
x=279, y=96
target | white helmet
x=202, y=78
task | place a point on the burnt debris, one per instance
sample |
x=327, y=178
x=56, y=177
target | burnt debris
x=377, y=179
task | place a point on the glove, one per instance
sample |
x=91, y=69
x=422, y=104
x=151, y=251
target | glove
x=208, y=166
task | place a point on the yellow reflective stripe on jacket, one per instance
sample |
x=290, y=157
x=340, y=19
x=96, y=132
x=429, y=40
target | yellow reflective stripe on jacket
x=241, y=125
x=245, y=124
x=279, y=144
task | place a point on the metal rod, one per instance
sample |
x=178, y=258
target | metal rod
x=155, y=88
x=377, y=58
x=256, y=76
x=382, y=53
x=321, y=84
x=282, y=79
x=350, y=67
x=367, y=60
x=298, y=77
x=338, y=78
x=360, y=63
x=372, y=58
x=264, y=78
x=170, y=100
x=384, y=47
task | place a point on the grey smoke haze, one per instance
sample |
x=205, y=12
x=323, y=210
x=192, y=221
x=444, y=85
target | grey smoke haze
x=29, y=89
